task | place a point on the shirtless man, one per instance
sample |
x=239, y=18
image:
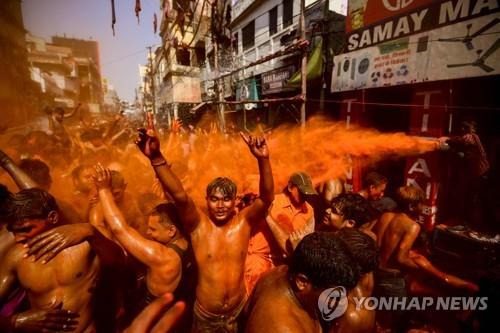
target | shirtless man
x=349, y=210
x=219, y=239
x=64, y=284
x=286, y=299
x=396, y=234
x=162, y=252
x=365, y=251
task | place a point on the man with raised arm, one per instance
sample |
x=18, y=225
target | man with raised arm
x=162, y=252
x=219, y=238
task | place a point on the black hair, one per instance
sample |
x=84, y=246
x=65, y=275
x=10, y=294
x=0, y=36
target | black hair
x=59, y=110
x=325, y=260
x=225, y=185
x=117, y=180
x=354, y=207
x=375, y=179
x=169, y=216
x=362, y=247
x=5, y=196
x=407, y=196
x=37, y=170
x=31, y=203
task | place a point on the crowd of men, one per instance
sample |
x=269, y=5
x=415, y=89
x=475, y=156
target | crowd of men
x=81, y=253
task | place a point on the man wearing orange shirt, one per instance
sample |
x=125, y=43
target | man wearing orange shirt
x=269, y=240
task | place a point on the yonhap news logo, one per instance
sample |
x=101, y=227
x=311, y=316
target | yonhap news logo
x=332, y=303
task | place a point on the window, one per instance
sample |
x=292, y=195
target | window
x=273, y=21
x=248, y=39
x=183, y=56
x=287, y=13
x=234, y=43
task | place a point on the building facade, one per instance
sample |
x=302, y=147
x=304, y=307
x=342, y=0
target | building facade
x=176, y=63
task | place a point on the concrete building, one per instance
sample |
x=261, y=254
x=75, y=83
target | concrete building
x=176, y=64
x=262, y=28
x=63, y=77
x=18, y=94
x=54, y=69
x=86, y=53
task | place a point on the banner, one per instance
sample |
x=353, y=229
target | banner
x=465, y=49
x=275, y=81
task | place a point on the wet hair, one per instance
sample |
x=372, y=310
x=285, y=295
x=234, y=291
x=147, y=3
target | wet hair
x=168, y=216
x=31, y=203
x=37, y=170
x=374, y=179
x=354, y=207
x=409, y=195
x=362, y=247
x=325, y=260
x=225, y=185
x=5, y=196
x=117, y=180
x=59, y=110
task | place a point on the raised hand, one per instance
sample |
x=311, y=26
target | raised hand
x=176, y=126
x=257, y=145
x=147, y=140
x=48, y=244
x=101, y=177
x=54, y=320
x=153, y=319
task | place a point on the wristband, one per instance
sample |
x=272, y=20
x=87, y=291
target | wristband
x=157, y=163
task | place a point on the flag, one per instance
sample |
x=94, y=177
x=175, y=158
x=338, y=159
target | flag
x=314, y=67
x=137, y=9
x=113, y=16
x=155, y=23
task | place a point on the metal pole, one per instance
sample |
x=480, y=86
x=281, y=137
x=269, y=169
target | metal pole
x=218, y=86
x=302, y=27
x=152, y=78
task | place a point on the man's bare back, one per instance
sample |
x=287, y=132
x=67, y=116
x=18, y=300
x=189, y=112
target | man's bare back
x=395, y=232
x=67, y=280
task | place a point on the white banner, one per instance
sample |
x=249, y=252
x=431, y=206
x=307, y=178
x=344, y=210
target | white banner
x=466, y=49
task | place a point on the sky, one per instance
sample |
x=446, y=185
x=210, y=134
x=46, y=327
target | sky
x=121, y=54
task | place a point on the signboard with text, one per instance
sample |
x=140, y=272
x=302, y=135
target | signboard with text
x=275, y=81
x=438, y=41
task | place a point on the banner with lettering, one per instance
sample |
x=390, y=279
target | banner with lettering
x=445, y=40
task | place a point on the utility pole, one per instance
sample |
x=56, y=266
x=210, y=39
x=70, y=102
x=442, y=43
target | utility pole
x=219, y=81
x=152, y=81
x=302, y=25
x=324, y=38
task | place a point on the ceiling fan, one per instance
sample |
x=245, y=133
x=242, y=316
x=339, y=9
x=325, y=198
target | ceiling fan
x=467, y=40
x=479, y=62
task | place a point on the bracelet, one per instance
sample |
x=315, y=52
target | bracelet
x=160, y=163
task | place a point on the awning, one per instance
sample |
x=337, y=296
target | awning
x=314, y=67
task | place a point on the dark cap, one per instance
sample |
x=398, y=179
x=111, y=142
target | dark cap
x=303, y=182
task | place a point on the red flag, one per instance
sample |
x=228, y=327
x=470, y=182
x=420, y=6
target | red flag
x=155, y=23
x=137, y=9
x=113, y=16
